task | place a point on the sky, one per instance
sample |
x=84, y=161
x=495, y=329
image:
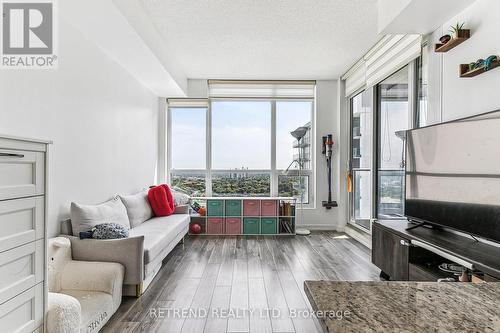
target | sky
x=241, y=134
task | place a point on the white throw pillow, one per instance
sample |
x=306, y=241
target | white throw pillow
x=85, y=217
x=180, y=198
x=138, y=208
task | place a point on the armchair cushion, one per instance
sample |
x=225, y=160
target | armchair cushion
x=63, y=314
x=104, y=277
x=97, y=308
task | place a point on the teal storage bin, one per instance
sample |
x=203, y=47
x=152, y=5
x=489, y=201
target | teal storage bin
x=233, y=207
x=268, y=226
x=251, y=226
x=215, y=208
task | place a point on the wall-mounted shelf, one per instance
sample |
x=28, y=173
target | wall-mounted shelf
x=462, y=37
x=465, y=72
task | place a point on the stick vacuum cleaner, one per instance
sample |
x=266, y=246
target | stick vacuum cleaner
x=327, y=150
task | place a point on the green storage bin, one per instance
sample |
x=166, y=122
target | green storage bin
x=269, y=226
x=251, y=226
x=215, y=208
x=233, y=207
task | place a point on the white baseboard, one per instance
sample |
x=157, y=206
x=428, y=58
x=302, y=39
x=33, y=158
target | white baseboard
x=321, y=227
x=362, y=237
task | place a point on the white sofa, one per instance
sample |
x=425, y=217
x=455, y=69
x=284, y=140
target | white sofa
x=141, y=254
x=83, y=295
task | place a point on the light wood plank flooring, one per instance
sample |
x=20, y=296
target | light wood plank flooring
x=260, y=274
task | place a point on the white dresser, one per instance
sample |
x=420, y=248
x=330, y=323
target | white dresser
x=23, y=183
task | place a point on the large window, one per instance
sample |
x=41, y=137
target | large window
x=241, y=135
x=244, y=149
x=289, y=116
x=188, y=149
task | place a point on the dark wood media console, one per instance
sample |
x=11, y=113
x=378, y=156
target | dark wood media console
x=413, y=255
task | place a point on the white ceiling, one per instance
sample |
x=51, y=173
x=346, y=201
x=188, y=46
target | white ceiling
x=264, y=39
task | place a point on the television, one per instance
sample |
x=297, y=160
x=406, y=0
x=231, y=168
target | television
x=452, y=173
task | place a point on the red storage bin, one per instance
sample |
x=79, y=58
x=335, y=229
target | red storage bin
x=251, y=207
x=269, y=208
x=233, y=226
x=215, y=226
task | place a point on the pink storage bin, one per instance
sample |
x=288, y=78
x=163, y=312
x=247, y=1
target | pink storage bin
x=215, y=226
x=251, y=207
x=269, y=208
x=233, y=226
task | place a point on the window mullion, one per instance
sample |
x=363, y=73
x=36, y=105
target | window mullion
x=274, y=174
x=208, y=179
x=169, y=145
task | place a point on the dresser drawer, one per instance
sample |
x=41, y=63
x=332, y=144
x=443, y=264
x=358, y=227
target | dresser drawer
x=23, y=313
x=21, y=221
x=22, y=173
x=20, y=269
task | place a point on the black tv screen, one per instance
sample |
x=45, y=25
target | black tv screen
x=453, y=175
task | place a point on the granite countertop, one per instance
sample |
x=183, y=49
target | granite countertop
x=405, y=306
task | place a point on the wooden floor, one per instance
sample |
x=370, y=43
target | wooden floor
x=222, y=279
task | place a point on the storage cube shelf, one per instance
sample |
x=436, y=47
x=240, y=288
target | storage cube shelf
x=246, y=216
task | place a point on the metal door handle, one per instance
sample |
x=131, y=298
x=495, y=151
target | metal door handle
x=11, y=155
x=404, y=242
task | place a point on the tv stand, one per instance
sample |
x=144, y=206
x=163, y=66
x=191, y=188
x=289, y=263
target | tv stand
x=405, y=252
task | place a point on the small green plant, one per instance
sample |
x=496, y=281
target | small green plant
x=455, y=28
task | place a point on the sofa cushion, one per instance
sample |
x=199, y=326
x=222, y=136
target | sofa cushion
x=180, y=198
x=109, y=231
x=161, y=201
x=85, y=217
x=158, y=232
x=138, y=208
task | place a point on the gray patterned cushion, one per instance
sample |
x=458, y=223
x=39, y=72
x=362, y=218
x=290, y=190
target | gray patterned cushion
x=109, y=231
x=180, y=198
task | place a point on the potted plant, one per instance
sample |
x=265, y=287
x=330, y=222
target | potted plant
x=458, y=31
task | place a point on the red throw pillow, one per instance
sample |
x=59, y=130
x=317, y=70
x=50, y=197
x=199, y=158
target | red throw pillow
x=161, y=200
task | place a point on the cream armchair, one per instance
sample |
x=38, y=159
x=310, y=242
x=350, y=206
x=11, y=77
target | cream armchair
x=83, y=295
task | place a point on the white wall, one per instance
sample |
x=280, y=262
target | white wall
x=454, y=97
x=102, y=121
x=328, y=121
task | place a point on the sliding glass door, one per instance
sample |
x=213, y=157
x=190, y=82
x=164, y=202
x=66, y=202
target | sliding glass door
x=361, y=158
x=393, y=117
x=379, y=118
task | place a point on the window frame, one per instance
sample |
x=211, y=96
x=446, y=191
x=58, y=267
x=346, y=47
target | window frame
x=274, y=173
x=352, y=220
